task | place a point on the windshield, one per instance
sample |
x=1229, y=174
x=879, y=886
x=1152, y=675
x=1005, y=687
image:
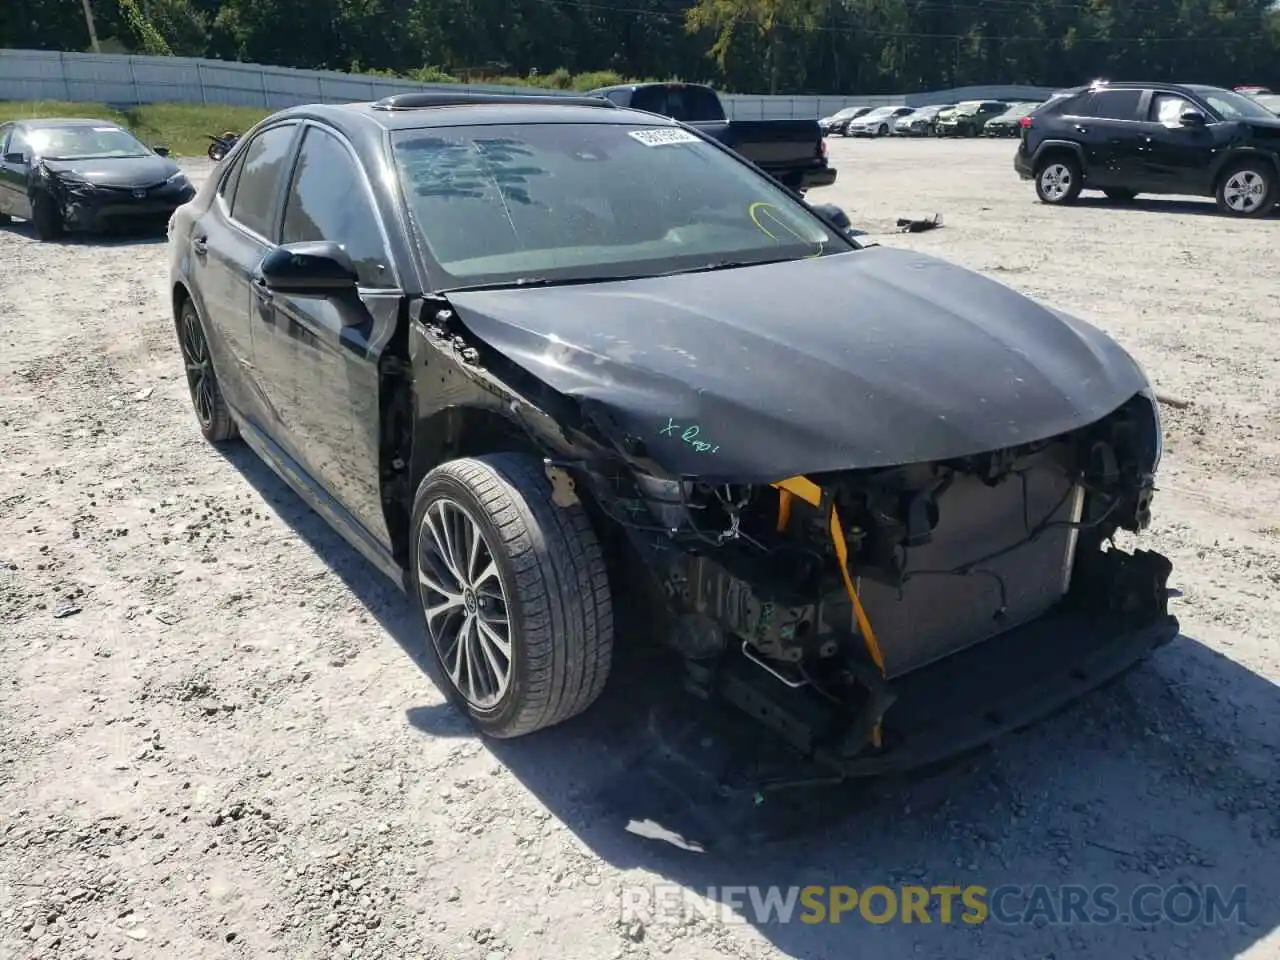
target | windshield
x=847, y=112
x=84, y=142
x=592, y=201
x=968, y=108
x=1271, y=101
x=877, y=113
x=1233, y=106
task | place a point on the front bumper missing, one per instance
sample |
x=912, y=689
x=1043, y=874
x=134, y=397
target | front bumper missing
x=971, y=698
x=102, y=208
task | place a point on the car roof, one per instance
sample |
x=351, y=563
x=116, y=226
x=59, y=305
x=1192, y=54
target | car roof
x=423, y=111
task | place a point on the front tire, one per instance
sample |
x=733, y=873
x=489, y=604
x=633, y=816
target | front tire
x=1247, y=189
x=1058, y=180
x=515, y=594
x=882, y=130
x=46, y=217
x=206, y=395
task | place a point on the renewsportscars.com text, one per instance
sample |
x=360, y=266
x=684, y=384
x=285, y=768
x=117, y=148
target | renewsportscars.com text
x=945, y=904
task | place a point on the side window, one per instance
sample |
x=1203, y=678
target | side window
x=1115, y=104
x=227, y=189
x=5, y=131
x=18, y=143
x=327, y=201
x=651, y=100
x=1168, y=108
x=258, y=177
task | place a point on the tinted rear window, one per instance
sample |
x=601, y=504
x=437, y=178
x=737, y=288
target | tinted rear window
x=1113, y=105
x=689, y=104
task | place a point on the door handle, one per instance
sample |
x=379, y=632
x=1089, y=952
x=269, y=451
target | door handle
x=200, y=246
x=260, y=290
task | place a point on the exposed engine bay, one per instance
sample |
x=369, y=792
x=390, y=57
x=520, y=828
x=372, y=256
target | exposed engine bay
x=832, y=587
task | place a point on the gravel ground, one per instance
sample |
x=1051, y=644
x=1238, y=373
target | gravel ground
x=216, y=739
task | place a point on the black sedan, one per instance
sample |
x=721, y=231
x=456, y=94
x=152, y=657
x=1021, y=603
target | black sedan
x=85, y=175
x=544, y=358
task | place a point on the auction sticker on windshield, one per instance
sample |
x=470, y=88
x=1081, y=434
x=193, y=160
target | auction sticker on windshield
x=660, y=138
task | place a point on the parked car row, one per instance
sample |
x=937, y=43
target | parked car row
x=969, y=118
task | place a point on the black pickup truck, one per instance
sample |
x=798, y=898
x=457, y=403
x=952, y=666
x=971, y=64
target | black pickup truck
x=793, y=152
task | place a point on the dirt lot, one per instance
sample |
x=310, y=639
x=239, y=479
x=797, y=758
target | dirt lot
x=216, y=740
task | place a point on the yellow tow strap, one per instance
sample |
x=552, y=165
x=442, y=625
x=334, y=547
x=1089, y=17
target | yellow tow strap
x=811, y=493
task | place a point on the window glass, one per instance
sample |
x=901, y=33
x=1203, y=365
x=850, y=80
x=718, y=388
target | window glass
x=327, y=201
x=1114, y=104
x=258, y=177
x=4, y=138
x=18, y=143
x=227, y=189
x=1168, y=108
x=688, y=104
x=593, y=201
x=1233, y=106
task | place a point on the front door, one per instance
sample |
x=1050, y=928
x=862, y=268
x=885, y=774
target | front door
x=1177, y=159
x=326, y=348
x=227, y=244
x=14, y=174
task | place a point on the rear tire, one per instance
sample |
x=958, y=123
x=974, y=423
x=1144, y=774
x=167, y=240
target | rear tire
x=202, y=382
x=882, y=130
x=1058, y=180
x=46, y=218
x=1247, y=189
x=542, y=653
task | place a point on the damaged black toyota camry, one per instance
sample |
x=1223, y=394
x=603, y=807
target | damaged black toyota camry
x=534, y=356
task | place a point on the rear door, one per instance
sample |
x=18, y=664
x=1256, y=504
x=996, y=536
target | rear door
x=1108, y=125
x=1178, y=159
x=228, y=242
x=324, y=350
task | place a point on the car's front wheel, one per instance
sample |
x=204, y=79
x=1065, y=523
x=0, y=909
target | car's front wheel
x=1247, y=189
x=1058, y=180
x=514, y=592
x=882, y=130
x=46, y=217
x=206, y=395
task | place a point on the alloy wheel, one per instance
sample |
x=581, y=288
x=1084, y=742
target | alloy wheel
x=1244, y=191
x=1055, y=181
x=465, y=604
x=195, y=354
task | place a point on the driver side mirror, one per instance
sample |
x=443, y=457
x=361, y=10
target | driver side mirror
x=836, y=217
x=319, y=268
x=1192, y=118
x=161, y=150
x=19, y=159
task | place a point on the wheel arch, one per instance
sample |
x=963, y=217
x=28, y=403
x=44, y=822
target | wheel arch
x=1233, y=159
x=1052, y=148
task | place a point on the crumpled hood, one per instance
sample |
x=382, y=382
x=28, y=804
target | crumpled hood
x=127, y=172
x=872, y=358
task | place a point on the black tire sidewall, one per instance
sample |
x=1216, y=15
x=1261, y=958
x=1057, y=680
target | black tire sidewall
x=439, y=484
x=45, y=216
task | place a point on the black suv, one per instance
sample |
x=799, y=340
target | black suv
x=1131, y=138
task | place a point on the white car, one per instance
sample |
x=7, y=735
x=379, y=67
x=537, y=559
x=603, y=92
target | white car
x=877, y=123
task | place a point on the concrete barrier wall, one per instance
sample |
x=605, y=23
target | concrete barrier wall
x=122, y=80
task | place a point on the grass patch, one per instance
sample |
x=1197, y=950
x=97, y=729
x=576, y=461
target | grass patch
x=181, y=127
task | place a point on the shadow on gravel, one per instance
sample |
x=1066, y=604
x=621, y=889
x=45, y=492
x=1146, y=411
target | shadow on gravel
x=1153, y=796
x=132, y=237
x=1165, y=205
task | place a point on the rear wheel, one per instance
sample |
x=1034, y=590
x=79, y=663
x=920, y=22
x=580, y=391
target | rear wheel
x=46, y=217
x=1120, y=196
x=514, y=591
x=1247, y=189
x=882, y=130
x=206, y=396
x=1058, y=180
